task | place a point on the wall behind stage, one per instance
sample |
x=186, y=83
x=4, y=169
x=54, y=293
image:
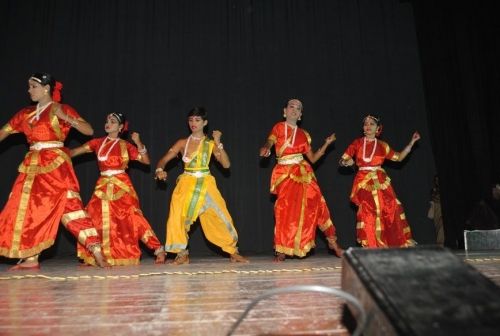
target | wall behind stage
x=242, y=60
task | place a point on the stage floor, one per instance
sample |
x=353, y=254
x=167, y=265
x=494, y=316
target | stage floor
x=203, y=298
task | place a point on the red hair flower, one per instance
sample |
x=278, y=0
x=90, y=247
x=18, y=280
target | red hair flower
x=56, y=92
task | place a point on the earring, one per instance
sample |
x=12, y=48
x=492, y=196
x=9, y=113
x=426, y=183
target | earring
x=46, y=91
x=284, y=115
x=300, y=118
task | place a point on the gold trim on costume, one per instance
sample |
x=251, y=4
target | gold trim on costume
x=23, y=204
x=298, y=235
x=326, y=225
x=54, y=121
x=8, y=129
x=148, y=234
x=10, y=253
x=70, y=216
x=106, y=226
x=292, y=251
x=73, y=194
x=84, y=234
x=56, y=163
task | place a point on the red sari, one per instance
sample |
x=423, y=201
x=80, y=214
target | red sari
x=46, y=190
x=300, y=207
x=381, y=221
x=114, y=206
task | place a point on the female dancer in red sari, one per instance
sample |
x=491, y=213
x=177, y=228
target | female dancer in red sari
x=46, y=190
x=300, y=207
x=381, y=221
x=114, y=206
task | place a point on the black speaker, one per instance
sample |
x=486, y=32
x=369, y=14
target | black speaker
x=421, y=291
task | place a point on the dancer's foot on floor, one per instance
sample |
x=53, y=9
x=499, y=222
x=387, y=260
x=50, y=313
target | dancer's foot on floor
x=180, y=260
x=25, y=266
x=279, y=257
x=237, y=258
x=336, y=249
x=160, y=258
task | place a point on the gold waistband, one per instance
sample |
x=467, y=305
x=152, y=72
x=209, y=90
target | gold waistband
x=290, y=159
x=46, y=144
x=112, y=172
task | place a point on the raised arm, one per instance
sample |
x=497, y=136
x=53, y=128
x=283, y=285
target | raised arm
x=160, y=173
x=404, y=153
x=79, y=124
x=144, y=157
x=313, y=157
x=218, y=151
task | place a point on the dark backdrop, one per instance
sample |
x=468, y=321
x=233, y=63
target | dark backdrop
x=242, y=60
x=460, y=52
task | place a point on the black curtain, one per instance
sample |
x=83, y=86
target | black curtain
x=242, y=60
x=460, y=51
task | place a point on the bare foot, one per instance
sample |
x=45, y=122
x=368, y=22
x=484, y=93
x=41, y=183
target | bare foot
x=279, y=257
x=181, y=260
x=336, y=249
x=100, y=260
x=236, y=257
x=25, y=265
x=160, y=258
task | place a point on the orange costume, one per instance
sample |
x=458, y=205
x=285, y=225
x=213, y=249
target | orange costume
x=46, y=190
x=381, y=221
x=114, y=206
x=300, y=207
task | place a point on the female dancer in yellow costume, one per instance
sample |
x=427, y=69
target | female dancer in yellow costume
x=196, y=194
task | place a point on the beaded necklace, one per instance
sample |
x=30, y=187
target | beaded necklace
x=104, y=157
x=185, y=158
x=369, y=159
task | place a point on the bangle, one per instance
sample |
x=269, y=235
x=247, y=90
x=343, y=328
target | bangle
x=158, y=170
x=220, y=146
x=143, y=150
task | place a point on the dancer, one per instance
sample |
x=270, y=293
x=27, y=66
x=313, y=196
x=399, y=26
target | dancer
x=196, y=194
x=46, y=190
x=300, y=206
x=114, y=206
x=381, y=221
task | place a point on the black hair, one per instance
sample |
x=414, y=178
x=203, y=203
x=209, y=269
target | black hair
x=44, y=79
x=375, y=118
x=122, y=120
x=199, y=111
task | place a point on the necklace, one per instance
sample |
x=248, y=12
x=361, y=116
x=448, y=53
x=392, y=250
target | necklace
x=369, y=159
x=104, y=157
x=38, y=111
x=293, y=136
x=185, y=158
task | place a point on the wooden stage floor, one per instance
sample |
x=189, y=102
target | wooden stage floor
x=203, y=298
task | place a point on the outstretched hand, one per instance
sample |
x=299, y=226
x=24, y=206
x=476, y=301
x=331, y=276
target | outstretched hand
x=415, y=137
x=330, y=139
